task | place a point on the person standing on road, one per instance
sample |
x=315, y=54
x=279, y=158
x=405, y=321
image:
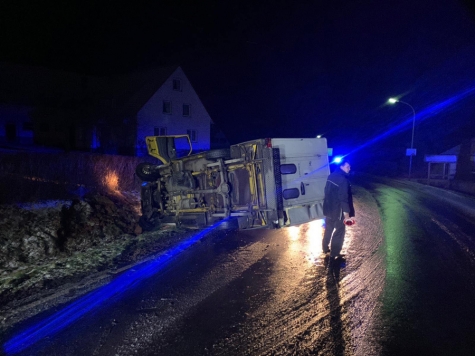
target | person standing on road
x=338, y=210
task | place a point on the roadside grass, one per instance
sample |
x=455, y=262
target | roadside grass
x=49, y=181
x=39, y=181
x=34, y=288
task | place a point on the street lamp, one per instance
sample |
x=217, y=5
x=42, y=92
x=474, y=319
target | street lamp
x=394, y=101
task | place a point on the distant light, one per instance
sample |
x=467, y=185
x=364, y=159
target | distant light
x=319, y=136
x=337, y=159
x=111, y=181
x=392, y=101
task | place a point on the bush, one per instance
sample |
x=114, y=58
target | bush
x=33, y=176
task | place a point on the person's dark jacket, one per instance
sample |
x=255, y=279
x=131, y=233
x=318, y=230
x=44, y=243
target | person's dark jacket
x=338, y=196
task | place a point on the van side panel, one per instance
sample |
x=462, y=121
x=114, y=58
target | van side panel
x=304, y=163
x=273, y=184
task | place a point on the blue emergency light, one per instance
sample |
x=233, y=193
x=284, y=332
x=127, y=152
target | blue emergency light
x=337, y=159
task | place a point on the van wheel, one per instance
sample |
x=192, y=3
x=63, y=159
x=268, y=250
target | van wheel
x=147, y=172
x=229, y=224
x=220, y=153
x=148, y=224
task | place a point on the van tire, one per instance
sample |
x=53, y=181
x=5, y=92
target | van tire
x=146, y=172
x=230, y=224
x=148, y=224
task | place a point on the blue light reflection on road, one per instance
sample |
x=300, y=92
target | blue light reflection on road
x=77, y=309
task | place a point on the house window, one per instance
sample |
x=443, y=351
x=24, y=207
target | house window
x=10, y=130
x=192, y=135
x=186, y=110
x=44, y=127
x=159, y=131
x=167, y=107
x=177, y=84
x=27, y=126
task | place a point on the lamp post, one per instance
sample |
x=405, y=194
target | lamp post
x=394, y=101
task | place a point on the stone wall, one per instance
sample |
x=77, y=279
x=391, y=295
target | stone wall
x=459, y=186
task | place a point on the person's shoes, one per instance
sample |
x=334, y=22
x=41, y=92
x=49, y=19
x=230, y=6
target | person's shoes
x=339, y=258
x=342, y=259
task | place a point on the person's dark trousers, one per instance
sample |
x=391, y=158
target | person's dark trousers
x=334, y=231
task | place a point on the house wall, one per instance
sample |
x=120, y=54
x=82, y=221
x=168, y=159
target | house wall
x=449, y=159
x=151, y=115
x=15, y=124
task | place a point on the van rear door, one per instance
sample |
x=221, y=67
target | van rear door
x=304, y=169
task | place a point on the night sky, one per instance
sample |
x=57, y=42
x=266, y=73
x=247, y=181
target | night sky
x=276, y=68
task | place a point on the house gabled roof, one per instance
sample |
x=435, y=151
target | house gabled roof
x=132, y=91
x=456, y=150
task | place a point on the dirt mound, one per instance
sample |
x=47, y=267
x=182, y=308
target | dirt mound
x=32, y=234
x=44, y=245
x=54, y=251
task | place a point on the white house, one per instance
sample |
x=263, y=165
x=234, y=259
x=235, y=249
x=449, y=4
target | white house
x=444, y=165
x=173, y=108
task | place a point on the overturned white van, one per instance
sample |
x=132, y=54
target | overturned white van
x=269, y=183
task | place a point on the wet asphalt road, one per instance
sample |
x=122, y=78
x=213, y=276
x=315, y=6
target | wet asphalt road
x=407, y=288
